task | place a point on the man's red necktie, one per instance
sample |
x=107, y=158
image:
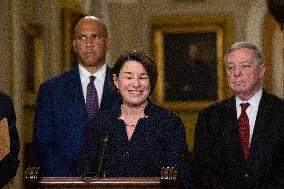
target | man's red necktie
x=243, y=123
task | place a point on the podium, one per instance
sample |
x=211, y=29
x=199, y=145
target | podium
x=168, y=180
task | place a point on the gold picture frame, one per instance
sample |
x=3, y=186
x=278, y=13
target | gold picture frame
x=71, y=13
x=170, y=39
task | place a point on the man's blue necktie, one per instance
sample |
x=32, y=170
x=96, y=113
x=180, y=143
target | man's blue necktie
x=92, y=98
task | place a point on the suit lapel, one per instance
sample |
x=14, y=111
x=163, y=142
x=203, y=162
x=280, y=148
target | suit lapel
x=232, y=129
x=75, y=92
x=261, y=130
x=110, y=95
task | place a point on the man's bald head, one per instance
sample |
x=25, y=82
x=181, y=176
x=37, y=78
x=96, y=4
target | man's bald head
x=85, y=19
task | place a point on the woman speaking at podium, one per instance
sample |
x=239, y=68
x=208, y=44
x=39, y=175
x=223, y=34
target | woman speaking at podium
x=136, y=137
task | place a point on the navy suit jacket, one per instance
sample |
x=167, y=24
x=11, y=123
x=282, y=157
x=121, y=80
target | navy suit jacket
x=10, y=163
x=218, y=160
x=60, y=119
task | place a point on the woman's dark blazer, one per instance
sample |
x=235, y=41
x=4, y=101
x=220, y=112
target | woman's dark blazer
x=158, y=141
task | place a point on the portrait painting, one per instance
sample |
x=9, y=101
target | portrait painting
x=188, y=51
x=190, y=66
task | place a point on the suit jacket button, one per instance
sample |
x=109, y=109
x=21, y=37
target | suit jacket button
x=126, y=154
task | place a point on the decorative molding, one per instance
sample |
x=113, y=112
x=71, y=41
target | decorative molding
x=34, y=54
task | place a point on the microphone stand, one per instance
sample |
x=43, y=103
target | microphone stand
x=103, y=154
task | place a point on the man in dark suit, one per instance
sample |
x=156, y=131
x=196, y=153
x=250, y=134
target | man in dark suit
x=9, y=140
x=239, y=143
x=61, y=110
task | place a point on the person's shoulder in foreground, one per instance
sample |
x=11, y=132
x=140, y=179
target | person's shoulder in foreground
x=9, y=145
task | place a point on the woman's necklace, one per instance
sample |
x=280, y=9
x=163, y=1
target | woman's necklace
x=127, y=125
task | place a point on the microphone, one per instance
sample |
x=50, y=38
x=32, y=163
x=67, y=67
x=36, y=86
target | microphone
x=103, y=154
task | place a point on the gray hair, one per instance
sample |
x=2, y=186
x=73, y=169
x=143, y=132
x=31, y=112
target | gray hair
x=240, y=45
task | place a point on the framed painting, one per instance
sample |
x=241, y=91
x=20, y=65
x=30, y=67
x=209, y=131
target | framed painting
x=188, y=51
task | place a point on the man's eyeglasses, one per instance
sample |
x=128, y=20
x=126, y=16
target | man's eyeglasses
x=93, y=37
